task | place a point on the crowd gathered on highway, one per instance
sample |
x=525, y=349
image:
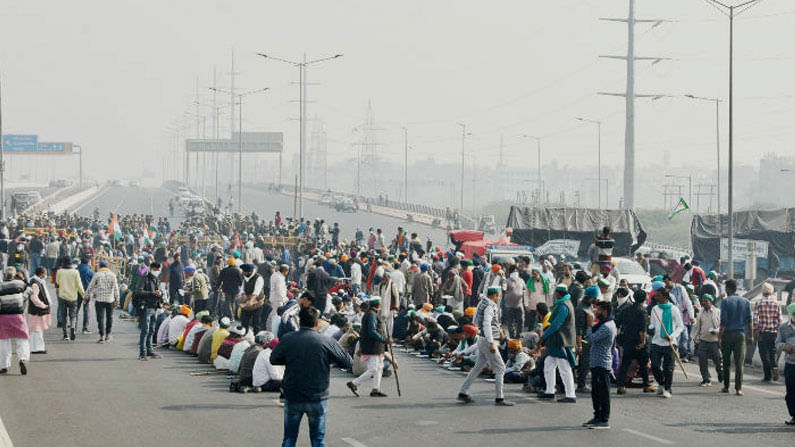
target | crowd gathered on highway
x=272, y=302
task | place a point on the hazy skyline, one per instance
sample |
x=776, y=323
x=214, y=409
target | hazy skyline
x=115, y=76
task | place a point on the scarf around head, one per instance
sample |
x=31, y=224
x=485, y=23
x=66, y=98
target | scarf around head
x=667, y=318
x=531, y=284
x=559, y=302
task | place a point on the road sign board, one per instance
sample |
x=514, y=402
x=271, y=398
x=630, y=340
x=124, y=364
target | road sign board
x=55, y=148
x=252, y=142
x=20, y=143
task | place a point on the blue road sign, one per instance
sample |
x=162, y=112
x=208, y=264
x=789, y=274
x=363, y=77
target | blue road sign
x=55, y=148
x=20, y=143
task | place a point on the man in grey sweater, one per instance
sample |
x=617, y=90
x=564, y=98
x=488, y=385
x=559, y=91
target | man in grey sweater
x=785, y=341
x=602, y=339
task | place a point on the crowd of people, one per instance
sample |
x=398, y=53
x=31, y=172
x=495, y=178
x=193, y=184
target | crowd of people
x=233, y=289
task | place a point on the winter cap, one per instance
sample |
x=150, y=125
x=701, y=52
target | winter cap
x=591, y=292
x=657, y=285
x=225, y=322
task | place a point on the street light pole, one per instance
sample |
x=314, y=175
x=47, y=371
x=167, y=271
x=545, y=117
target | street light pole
x=406, y=165
x=2, y=163
x=463, y=140
x=302, y=115
x=598, y=158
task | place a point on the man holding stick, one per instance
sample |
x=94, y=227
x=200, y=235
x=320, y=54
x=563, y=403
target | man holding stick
x=666, y=320
x=372, y=343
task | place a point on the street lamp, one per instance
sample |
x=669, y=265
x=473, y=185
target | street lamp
x=406, y=165
x=689, y=185
x=302, y=115
x=240, y=141
x=717, y=102
x=463, y=143
x=731, y=11
x=598, y=158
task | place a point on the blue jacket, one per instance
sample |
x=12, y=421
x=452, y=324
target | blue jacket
x=86, y=274
x=307, y=355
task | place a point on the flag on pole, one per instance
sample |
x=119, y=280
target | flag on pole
x=680, y=206
x=114, y=227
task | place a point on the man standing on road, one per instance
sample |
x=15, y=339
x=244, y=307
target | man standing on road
x=633, y=323
x=706, y=334
x=306, y=355
x=601, y=340
x=767, y=319
x=69, y=290
x=372, y=342
x=667, y=323
x=229, y=281
x=786, y=343
x=176, y=281
x=735, y=320
x=487, y=320
x=147, y=300
x=583, y=321
x=104, y=290
x=86, y=275
x=559, y=338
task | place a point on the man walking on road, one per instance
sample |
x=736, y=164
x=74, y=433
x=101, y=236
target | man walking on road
x=86, y=275
x=559, y=338
x=487, y=320
x=307, y=355
x=372, y=343
x=230, y=280
x=69, y=290
x=104, y=290
x=767, y=319
x=601, y=340
x=706, y=334
x=786, y=343
x=147, y=300
x=667, y=323
x=735, y=320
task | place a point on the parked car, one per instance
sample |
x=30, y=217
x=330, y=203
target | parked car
x=630, y=270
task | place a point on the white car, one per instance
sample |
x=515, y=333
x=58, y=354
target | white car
x=630, y=270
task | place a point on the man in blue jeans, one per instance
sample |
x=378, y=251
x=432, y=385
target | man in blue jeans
x=307, y=355
x=146, y=300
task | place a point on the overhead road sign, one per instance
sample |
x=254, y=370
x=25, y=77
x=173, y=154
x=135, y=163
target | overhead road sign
x=251, y=142
x=20, y=143
x=55, y=148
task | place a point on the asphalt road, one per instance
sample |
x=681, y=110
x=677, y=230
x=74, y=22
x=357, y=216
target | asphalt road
x=85, y=394
x=126, y=200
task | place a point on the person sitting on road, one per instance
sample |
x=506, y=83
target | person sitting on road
x=235, y=336
x=266, y=376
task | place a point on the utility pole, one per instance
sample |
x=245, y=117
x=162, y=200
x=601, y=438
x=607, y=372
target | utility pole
x=406, y=165
x=463, y=144
x=2, y=161
x=731, y=11
x=630, y=95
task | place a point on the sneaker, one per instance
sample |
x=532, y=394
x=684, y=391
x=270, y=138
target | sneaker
x=108, y=338
x=101, y=340
x=546, y=396
x=377, y=393
x=601, y=425
x=590, y=423
x=789, y=422
x=353, y=388
x=705, y=383
x=621, y=390
x=567, y=400
x=85, y=331
x=503, y=403
x=143, y=358
x=65, y=337
x=72, y=334
x=739, y=392
x=464, y=398
x=649, y=389
x=666, y=394
x=23, y=369
x=660, y=392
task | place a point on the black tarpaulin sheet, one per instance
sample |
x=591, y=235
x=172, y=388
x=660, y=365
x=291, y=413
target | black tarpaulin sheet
x=777, y=227
x=534, y=226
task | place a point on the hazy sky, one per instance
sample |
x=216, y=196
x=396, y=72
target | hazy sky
x=117, y=75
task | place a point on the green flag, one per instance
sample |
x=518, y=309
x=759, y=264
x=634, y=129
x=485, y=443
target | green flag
x=680, y=206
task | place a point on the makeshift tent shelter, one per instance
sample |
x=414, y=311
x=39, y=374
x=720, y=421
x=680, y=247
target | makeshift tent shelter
x=777, y=227
x=535, y=226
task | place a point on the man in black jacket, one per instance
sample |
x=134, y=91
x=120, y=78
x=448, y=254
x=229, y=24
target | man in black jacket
x=229, y=281
x=307, y=356
x=372, y=343
x=147, y=299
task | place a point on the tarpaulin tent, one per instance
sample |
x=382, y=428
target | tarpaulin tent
x=535, y=226
x=777, y=227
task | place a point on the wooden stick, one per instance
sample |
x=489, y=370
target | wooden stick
x=676, y=353
x=395, y=368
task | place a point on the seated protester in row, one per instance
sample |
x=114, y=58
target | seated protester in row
x=469, y=314
x=181, y=346
x=350, y=339
x=400, y=327
x=239, y=350
x=206, y=343
x=429, y=340
x=454, y=336
x=245, y=377
x=289, y=321
x=177, y=324
x=444, y=317
x=235, y=336
x=519, y=364
x=266, y=376
x=219, y=336
x=163, y=315
x=161, y=339
x=467, y=351
x=194, y=337
x=202, y=322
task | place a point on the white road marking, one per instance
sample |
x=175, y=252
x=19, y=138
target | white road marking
x=762, y=390
x=649, y=437
x=353, y=442
x=5, y=440
x=102, y=193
